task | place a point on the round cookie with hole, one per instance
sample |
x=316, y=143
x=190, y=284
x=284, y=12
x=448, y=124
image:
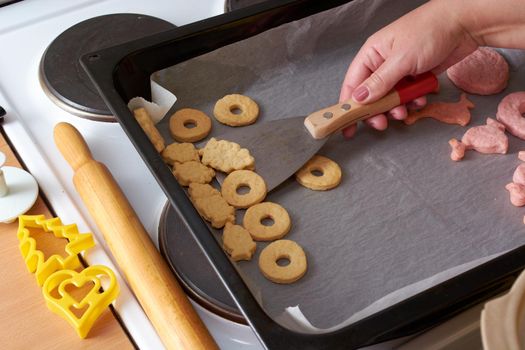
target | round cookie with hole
x=236, y=110
x=319, y=174
x=267, y=221
x=189, y=125
x=289, y=251
x=243, y=188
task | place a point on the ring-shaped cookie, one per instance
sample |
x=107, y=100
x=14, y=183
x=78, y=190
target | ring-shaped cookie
x=183, y=118
x=225, y=108
x=243, y=178
x=329, y=174
x=254, y=216
x=283, y=249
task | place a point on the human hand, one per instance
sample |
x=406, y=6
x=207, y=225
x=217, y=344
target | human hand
x=430, y=38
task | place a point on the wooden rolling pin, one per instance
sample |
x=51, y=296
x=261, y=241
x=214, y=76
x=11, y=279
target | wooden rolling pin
x=146, y=272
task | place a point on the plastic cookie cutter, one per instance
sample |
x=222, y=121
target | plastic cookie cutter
x=18, y=191
x=35, y=259
x=81, y=314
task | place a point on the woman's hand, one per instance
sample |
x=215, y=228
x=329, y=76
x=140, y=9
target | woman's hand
x=430, y=38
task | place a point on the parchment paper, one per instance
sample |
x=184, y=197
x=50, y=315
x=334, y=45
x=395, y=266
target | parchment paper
x=405, y=217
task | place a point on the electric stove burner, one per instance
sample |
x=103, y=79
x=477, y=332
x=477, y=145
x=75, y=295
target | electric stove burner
x=192, y=268
x=63, y=78
x=231, y=5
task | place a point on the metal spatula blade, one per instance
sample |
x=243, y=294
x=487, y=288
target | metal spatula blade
x=279, y=147
x=282, y=146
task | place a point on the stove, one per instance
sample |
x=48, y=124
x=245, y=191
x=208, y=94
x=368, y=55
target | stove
x=41, y=84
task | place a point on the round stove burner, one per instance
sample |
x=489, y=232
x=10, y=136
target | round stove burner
x=63, y=78
x=192, y=269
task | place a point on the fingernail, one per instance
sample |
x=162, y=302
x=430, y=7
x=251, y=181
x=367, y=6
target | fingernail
x=360, y=94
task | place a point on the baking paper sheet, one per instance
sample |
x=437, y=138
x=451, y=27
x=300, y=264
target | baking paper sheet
x=405, y=217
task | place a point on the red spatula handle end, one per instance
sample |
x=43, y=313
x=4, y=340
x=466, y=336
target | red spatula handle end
x=412, y=87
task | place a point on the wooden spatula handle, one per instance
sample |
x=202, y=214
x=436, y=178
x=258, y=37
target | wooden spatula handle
x=148, y=275
x=328, y=120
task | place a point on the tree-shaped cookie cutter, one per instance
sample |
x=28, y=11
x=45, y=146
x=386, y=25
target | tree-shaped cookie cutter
x=35, y=259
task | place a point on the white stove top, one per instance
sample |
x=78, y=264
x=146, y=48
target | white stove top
x=26, y=29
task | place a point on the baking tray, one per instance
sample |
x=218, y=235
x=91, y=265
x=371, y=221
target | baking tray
x=124, y=71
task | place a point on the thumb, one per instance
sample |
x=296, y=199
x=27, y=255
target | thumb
x=380, y=82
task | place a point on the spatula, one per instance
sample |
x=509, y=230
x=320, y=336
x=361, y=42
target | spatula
x=281, y=147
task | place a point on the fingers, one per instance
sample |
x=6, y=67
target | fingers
x=418, y=103
x=380, y=82
x=398, y=113
x=378, y=122
x=349, y=132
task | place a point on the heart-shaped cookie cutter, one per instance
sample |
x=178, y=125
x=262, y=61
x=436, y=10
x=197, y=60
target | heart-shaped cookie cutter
x=62, y=303
x=35, y=259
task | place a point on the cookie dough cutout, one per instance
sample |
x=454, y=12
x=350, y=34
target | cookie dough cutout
x=236, y=110
x=319, y=174
x=226, y=156
x=487, y=139
x=237, y=242
x=255, y=215
x=243, y=178
x=517, y=194
x=210, y=205
x=189, y=125
x=283, y=250
x=510, y=113
x=193, y=171
x=180, y=153
x=145, y=122
x=449, y=113
x=521, y=156
x=483, y=72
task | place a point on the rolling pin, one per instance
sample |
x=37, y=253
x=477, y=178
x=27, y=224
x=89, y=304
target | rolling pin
x=148, y=275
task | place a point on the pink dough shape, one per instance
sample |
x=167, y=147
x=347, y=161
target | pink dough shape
x=510, y=113
x=519, y=175
x=517, y=194
x=488, y=139
x=483, y=72
x=521, y=155
x=445, y=112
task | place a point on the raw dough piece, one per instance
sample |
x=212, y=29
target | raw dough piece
x=185, y=117
x=486, y=139
x=254, y=216
x=519, y=175
x=145, y=122
x=329, y=174
x=193, y=171
x=483, y=72
x=283, y=249
x=450, y=113
x=510, y=113
x=180, y=153
x=237, y=242
x=517, y=194
x=211, y=205
x=243, y=178
x=226, y=156
x=225, y=107
x=521, y=156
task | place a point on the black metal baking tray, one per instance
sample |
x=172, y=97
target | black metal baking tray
x=123, y=72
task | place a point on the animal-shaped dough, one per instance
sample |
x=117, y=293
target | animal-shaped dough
x=487, y=139
x=517, y=194
x=450, y=113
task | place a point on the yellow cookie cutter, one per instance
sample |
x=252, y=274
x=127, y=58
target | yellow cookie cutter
x=62, y=303
x=35, y=260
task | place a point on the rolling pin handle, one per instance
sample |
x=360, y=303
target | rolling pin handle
x=72, y=145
